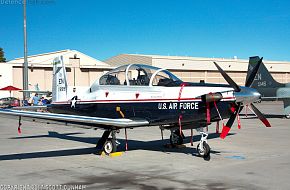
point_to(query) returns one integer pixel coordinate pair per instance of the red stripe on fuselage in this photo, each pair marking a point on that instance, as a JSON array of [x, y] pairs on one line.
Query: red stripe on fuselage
[[138, 100]]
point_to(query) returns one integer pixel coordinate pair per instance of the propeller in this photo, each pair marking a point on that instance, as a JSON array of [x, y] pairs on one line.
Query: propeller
[[228, 78], [239, 106], [229, 124], [260, 116]]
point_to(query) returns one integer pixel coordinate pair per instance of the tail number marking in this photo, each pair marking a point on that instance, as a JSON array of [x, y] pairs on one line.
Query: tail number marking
[[60, 81], [61, 89]]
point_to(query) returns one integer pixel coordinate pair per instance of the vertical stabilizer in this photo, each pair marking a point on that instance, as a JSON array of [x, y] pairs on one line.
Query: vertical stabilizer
[[59, 83], [263, 78]]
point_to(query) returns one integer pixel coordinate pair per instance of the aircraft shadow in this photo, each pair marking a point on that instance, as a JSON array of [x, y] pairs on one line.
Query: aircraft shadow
[[47, 154], [155, 145]]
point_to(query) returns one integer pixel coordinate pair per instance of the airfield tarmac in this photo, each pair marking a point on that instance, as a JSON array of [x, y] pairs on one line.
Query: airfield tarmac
[[254, 157]]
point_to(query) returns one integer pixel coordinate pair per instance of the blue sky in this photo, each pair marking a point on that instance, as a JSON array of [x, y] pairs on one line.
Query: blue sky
[[104, 28]]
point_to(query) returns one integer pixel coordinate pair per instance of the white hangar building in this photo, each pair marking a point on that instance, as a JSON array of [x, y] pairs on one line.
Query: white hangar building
[[83, 70], [194, 69]]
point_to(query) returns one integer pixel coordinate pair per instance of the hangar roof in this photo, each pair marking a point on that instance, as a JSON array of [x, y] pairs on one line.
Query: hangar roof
[[45, 59], [193, 63]]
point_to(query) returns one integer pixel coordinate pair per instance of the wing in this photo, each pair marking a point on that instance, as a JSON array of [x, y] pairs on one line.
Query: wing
[[105, 123]]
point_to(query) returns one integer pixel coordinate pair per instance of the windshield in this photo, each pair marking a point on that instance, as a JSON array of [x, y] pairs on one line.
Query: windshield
[[138, 75], [164, 78]]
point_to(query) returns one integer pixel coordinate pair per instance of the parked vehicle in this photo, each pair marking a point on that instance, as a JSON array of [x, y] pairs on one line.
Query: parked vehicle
[[9, 102]]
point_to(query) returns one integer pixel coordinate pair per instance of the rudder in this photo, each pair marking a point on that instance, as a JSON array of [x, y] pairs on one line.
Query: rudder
[[263, 77], [59, 83]]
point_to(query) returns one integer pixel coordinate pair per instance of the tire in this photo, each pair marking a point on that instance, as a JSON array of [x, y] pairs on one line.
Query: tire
[[288, 116], [206, 150], [110, 146], [175, 138]]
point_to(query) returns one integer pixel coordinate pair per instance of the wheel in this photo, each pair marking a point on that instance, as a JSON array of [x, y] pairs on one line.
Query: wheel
[[176, 138], [288, 116], [110, 146], [206, 150]]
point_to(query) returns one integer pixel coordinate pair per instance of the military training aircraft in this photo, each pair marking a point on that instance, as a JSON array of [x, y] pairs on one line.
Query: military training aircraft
[[139, 95], [268, 87]]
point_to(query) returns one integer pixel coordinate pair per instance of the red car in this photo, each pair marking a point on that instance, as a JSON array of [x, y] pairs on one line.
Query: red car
[[9, 102]]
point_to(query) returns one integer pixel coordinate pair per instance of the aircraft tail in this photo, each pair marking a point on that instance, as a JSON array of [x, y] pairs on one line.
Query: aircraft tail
[[263, 78], [59, 83], [286, 103]]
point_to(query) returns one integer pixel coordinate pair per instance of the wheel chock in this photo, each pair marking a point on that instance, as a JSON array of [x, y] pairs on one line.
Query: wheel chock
[[114, 154]]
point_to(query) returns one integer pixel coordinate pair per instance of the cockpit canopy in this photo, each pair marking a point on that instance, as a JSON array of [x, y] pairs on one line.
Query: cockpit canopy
[[139, 75]]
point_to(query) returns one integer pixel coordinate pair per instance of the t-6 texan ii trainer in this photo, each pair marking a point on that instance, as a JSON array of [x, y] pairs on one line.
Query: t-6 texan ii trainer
[[139, 95]]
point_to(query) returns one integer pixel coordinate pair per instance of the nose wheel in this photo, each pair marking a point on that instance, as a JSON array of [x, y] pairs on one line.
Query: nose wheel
[[203, 149]]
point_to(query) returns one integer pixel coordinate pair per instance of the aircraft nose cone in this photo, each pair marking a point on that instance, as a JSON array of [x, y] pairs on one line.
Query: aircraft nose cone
[[254, 95], [248, 95]]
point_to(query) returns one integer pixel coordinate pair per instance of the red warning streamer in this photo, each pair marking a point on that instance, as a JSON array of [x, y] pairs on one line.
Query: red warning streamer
[[180, 127], [180, 116], [126, 137], [181, 89], [239, 121], [19, 125], [19, 130], [217, 126], [207, 113]]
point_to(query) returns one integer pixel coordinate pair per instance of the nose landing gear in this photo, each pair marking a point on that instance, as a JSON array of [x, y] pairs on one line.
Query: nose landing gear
[[203, 148]]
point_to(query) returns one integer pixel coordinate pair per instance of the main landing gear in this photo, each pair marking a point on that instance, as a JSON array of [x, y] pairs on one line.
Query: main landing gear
[[203, 148], [106, 144], [176, 138]]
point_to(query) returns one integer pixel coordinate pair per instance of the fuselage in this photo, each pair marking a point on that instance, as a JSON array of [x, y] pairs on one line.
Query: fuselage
[[160, 105], [147, 92]]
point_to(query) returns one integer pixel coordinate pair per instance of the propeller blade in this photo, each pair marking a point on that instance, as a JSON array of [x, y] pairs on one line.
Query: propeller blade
[[228, 78], [253, 74], [227, 127], [260, 116]]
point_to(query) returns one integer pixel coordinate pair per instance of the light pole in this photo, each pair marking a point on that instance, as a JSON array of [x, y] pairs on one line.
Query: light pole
[[25, 64]]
